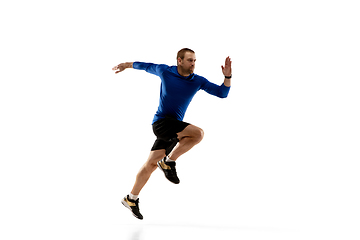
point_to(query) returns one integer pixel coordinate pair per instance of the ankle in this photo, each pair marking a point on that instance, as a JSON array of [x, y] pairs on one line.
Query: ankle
[[133, 197], [169, 160]]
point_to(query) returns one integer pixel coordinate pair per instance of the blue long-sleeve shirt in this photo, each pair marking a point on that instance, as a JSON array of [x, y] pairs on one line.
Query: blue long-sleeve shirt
[[176, 91]]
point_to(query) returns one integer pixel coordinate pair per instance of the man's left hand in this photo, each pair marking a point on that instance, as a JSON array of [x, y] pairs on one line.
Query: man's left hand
[[227, 69]]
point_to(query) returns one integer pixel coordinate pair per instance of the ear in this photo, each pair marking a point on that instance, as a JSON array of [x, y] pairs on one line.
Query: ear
[[179, 60]]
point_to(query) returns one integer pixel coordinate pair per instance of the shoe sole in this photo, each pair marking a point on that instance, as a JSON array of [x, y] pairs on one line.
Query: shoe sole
[[128, 207], [164, 173]]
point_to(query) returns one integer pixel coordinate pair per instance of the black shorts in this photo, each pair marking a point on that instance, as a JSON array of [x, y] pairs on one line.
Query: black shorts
[[166, 130]]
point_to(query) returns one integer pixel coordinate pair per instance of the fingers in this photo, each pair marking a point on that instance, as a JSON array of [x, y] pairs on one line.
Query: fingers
[[228, 62], [116, 68]]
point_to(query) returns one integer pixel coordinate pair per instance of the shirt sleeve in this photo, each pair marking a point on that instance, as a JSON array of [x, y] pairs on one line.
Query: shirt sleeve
[[221, 91], [152, 68]]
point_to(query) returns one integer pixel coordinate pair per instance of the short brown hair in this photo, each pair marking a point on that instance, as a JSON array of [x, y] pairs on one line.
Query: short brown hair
[[181, 53]]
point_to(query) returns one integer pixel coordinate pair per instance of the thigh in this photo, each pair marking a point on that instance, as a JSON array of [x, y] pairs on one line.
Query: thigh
[[165, 145], [190, 131], [167, 128]]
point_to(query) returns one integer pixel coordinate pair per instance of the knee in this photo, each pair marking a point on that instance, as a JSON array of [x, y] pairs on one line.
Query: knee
[[151, 163], [150, 166], [199, 134]]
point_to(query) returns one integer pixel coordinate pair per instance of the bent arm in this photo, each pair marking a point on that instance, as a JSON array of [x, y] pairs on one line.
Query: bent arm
[[221, 91]]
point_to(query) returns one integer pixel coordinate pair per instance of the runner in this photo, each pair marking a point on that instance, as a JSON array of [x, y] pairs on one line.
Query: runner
[[179, 84]]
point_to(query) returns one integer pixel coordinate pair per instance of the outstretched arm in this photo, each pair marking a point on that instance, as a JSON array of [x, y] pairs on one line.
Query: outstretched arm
[[122, 66], [227, 72], [152, 68]]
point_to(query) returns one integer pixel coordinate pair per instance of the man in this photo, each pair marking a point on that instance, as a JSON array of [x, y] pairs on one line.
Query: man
[[179, 84]]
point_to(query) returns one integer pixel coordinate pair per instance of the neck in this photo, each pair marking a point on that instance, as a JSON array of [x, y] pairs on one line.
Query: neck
[[181, 72]]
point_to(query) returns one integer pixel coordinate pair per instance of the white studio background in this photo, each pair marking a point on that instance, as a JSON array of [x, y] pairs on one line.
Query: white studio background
[[281, 152]]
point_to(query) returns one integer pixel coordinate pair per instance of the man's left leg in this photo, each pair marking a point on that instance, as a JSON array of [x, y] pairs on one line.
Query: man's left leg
[[188, 138]]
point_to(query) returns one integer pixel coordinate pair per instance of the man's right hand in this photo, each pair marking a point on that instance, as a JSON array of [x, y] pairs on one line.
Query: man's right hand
[[122, 66]]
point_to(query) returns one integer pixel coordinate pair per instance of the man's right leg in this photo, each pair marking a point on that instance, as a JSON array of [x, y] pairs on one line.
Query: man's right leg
[[131, 201], [147, 169]]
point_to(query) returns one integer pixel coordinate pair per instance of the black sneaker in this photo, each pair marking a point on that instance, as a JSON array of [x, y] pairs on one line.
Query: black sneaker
[[169, 170], [133, 206]]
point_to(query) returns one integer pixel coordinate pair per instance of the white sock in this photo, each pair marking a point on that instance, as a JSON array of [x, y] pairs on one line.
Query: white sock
[[169, 160], [133, 197]]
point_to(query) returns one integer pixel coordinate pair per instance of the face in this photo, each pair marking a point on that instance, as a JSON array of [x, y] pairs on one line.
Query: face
[[187, 64]]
